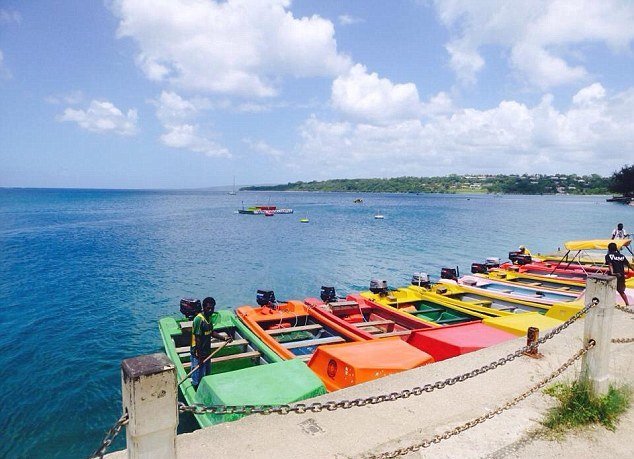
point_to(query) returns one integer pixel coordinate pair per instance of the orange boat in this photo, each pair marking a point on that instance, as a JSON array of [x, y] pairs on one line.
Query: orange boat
[[340, 357]]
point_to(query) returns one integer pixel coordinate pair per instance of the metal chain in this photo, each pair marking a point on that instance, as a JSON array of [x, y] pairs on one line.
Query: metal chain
[[489, 415], [622, 340], [110, 436], [299, 408], [624, 309]]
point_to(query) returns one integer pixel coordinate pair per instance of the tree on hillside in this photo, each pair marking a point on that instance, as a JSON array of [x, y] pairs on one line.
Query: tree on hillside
[[623, 181]]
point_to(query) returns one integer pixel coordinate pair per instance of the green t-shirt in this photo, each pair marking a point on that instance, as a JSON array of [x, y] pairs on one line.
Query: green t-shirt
[[202, 329]]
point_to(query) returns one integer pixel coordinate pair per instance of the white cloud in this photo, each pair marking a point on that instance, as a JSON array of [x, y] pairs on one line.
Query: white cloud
[[71, 98], [240, 47], [10, 17], [541, 35], [261, 146], [592, 135], [175, 115], [346, 19], [186, 136], [367, 97], [102, 116], [170, 108]]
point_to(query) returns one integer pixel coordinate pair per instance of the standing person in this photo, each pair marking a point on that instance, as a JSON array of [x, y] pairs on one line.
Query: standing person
[[619, 232], [617, 263], [202, 332]]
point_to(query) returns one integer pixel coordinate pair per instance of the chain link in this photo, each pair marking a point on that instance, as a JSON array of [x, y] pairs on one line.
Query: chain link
[[199, 408], [624, 309], [489, 415], [110, 436]]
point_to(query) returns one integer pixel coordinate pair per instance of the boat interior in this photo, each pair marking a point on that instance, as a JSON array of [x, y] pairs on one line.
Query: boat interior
[[238, 354], [372, 319]]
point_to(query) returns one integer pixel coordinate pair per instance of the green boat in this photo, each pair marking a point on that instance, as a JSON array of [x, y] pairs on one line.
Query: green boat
[[244, 372]]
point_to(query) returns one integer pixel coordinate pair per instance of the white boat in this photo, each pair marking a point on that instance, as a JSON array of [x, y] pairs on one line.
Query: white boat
[[379, 216], [233, 191]]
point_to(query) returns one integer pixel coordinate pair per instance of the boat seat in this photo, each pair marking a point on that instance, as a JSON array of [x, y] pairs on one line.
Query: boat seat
[[279, 331], [534, 284], [483, 303], [452, 320], [187, 324], [425, 311], [214, 345], [394, 333], [313, 342], [507, 290], [225, 358], [372, 323], [342, 304]]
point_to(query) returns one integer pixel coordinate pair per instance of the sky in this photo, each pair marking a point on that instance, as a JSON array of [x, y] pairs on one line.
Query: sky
[[192, 93]]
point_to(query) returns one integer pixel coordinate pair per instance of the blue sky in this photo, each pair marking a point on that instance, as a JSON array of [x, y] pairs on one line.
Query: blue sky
[[189, 93]]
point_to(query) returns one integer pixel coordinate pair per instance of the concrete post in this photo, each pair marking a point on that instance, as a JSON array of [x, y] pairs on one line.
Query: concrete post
[[598, 326], [151, 401]]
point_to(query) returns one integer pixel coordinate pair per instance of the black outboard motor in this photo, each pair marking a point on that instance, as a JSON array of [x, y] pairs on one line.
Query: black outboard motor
[[378, 286], [190, 307], [449, 273], [266, 298], [479, 268], [518, 258], [328, 294], [492, 262], [421, 279]]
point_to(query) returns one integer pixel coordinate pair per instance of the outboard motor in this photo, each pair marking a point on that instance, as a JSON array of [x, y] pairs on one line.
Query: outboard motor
[[421, 279], [518, 258], [378, 286], [190, 307], [449, 273], [479, 268], [492, 262], [266, 298], [328, 294]]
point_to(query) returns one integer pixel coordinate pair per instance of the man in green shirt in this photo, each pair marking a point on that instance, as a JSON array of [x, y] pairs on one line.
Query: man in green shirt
[[202, 332]]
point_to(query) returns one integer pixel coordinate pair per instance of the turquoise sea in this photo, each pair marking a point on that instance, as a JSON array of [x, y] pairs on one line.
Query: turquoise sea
[[86, 274]]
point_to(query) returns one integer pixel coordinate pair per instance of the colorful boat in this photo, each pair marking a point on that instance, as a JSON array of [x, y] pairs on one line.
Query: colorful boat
[[534, 281], [428, 309], [374, 321], [367, 319], [509, 290], [264, 378], [339, 356], [577, 262], [264, 210]]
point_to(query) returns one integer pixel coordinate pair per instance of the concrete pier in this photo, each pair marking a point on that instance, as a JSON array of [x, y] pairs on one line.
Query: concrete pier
[[383, 427]]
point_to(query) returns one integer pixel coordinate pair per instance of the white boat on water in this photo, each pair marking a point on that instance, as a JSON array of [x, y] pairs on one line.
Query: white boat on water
[[379, 216]]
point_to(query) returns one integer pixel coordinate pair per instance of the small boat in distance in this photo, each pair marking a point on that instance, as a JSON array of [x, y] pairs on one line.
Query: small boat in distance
[[379, 216], [263, 210], [233, 190], [304, 220], [358, 201]]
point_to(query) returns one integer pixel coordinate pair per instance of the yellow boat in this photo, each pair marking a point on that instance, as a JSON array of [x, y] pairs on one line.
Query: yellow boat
[[585, 252], [514, 316]]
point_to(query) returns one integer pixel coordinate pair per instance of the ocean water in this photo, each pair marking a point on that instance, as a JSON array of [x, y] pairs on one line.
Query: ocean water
[[86, 274]]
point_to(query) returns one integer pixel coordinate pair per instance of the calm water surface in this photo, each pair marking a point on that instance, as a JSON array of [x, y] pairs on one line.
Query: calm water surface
[[85, 275]]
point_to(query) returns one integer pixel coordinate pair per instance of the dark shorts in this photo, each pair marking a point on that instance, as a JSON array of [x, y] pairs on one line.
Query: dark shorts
[[620, 284]]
